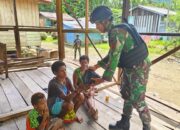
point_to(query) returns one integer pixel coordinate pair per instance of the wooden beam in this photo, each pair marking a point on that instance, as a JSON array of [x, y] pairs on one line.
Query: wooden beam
[[16, 31], [59, 29], [166, 55], [86, 27], [15, 114], [38, 29], [80, 31], [161, 34], [106, 86]]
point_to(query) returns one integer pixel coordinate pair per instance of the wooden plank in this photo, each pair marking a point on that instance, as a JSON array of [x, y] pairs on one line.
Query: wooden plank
[[21, 123], [168, 104], [21, 87], [47, 72], [151, 23], [157, 120], [15, 113], [8, 125], [111, 116], [28, 12], [164, 110], [13, 96], [117, 105], [6, 18], [146, 24], [5, 107], [37, 79], [41, 75], [31, 84]]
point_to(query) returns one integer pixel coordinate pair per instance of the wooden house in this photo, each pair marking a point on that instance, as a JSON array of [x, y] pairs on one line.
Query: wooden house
[[27, 14], [149, 19]]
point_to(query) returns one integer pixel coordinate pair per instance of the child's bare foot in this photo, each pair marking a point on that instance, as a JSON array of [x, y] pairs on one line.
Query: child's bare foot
[[61, 129], [79, 119], [93, 113]]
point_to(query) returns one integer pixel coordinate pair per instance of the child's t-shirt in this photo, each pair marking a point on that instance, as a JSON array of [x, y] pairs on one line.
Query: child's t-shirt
[[54, 89], [85, 78], [33, 120]]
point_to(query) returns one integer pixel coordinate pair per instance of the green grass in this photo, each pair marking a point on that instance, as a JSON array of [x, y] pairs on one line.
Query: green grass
[[104, 46], [49, 39]]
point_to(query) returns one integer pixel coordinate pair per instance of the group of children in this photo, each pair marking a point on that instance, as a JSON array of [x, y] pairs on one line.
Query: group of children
[[63, 99]]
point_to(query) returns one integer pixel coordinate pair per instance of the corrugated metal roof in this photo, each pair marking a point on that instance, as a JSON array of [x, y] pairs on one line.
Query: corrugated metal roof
[[68, 20], [45, 1], [161, 11], [74, 24], [52, 16]]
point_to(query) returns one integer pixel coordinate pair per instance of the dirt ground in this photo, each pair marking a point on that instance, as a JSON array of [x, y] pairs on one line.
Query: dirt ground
[[164, 78]]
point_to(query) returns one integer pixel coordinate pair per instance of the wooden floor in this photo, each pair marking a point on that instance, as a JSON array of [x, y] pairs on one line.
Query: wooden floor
[[16, 92]]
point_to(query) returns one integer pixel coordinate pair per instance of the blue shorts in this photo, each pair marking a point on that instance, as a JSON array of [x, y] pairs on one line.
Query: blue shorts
[[56, 108]]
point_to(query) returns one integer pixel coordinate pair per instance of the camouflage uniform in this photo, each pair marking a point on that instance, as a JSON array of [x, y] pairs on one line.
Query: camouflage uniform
[[77, 46], [134, 79]]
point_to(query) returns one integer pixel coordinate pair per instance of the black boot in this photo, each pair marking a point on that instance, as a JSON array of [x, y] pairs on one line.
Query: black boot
[[146, 127], [123, 124]]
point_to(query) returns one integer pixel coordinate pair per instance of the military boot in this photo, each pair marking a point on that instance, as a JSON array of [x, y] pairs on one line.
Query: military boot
[[123, 124], [146, 127]]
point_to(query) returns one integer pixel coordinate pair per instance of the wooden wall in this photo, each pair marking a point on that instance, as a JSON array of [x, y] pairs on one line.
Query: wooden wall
[[27, 12], [27, 39], [146, 21], [28, 15]]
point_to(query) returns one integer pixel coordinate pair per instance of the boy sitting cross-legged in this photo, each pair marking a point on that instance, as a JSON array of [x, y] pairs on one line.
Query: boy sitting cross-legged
[[63, 100]]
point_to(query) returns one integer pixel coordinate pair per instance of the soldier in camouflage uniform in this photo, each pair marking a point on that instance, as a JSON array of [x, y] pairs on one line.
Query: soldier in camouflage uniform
[[134, 81], [77, 46]]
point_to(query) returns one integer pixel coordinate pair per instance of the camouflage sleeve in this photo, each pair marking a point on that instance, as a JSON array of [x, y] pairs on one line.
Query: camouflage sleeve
[[117, 40]]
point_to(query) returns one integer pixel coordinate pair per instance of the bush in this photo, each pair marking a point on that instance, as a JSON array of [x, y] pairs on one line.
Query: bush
[[43, 35], [54, 35]]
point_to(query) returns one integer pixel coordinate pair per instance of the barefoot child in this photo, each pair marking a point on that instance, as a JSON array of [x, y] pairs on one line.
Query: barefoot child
[[63, 100], [38, 118], [81, 81]]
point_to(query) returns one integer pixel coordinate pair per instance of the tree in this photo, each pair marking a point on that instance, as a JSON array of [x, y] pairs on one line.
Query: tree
[[48, 7], [176, 18]]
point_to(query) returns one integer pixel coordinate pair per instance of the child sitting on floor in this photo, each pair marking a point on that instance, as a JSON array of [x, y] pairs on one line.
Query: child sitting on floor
[[63, 100], [82, 79], [38, 118]]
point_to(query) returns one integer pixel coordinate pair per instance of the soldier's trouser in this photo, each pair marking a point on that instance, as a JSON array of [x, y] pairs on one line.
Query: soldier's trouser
[[133, 91], [75, 50]]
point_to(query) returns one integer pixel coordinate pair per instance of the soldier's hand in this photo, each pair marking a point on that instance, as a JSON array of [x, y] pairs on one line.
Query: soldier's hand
[[97, 81], [94, 68]]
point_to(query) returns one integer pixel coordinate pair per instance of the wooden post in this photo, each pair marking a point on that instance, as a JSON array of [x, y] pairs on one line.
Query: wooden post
[[125, 14], [125, 11], [16, 31], [59, 15], [86, 27]]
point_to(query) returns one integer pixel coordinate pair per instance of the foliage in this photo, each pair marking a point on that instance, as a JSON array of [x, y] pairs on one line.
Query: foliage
[[176, 18], [47, 7], [43, 35]]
